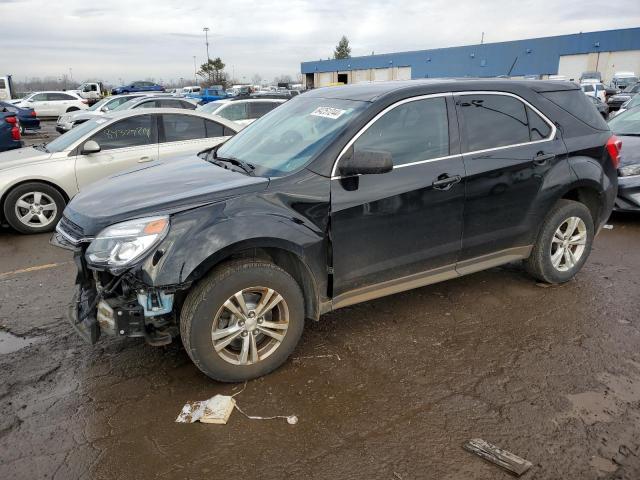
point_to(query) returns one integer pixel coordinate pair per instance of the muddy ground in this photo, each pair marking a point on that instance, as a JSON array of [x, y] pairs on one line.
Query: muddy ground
[[389, 389]]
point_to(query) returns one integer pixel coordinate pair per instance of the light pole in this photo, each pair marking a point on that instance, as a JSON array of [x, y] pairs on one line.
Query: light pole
[[195, 71], [206, 40]]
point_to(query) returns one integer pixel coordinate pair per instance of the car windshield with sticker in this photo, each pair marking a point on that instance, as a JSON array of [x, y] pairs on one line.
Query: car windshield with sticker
[[289, 137]]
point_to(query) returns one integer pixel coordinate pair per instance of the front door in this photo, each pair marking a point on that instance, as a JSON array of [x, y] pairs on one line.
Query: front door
[[509, 148], [408, 221], [123, 144]]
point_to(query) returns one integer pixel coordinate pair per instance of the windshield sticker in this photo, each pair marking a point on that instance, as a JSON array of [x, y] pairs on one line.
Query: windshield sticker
[[115, 133], [328, 112]]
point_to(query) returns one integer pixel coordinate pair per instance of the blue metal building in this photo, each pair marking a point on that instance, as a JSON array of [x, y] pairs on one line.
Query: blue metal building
[[560, 55]]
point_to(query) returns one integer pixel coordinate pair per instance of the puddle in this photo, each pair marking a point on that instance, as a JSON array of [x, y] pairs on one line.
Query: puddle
[[10, 343]]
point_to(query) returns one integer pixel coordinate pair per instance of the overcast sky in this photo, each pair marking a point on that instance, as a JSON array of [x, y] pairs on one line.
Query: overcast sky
[[138, 39]]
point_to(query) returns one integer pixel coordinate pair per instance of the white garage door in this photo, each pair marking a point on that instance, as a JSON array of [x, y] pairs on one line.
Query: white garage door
[[572, 66], [404, 73], [324, 79], [360, 76], [382, 74]]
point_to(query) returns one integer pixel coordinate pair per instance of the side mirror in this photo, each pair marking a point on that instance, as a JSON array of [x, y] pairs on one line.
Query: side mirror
[[90, 146], [366, 162], [104, 109]]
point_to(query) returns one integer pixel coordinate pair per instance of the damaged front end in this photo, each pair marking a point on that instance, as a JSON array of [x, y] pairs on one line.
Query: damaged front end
[[109, 298]]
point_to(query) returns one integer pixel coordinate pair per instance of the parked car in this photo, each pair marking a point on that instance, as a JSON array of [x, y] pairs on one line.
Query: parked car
[[37, 182], [594, 89], [626, 126], [623, 80], [53, 104], [591, 76], [207, 95], [339, 196], [27, 117], [282, 94], [157, 101], [616, 101], [602, 107], [92, 91], [138, 87], [192, 89], [629, 104], [9, 132], [244, 111], [69, 120]]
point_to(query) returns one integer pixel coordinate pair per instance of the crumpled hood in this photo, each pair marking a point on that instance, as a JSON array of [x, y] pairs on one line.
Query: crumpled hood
[[165, 186], [21, 157]]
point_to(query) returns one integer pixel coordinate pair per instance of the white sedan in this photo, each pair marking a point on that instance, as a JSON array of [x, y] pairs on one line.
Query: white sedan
[[53, 104], [243, 112], [37, 182]]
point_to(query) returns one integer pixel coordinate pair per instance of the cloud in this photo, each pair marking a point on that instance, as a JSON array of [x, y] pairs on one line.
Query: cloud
[[159, 38]]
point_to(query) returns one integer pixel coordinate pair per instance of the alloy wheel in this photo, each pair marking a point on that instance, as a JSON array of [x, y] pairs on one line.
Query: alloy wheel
[[250, 325], [36, 209], [568, 244]]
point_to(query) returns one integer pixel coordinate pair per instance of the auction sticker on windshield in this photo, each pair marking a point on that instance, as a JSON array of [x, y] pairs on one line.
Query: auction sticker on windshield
[[328, 112]]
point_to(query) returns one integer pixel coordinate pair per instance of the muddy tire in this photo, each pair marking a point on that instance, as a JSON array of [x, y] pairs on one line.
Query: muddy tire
[[563, 243], [33, 207], [242, 321]]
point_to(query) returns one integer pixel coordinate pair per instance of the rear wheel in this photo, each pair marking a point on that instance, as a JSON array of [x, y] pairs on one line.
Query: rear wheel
[[33, 207], [563, 244], [243, 321]]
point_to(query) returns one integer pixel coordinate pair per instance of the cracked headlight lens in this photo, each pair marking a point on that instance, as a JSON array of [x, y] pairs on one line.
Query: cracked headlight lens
[[629, 170], [121, 244]]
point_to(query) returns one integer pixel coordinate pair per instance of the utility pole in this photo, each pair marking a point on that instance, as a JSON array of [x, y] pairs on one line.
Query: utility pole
[[206, 40], [482, 39], [195, 71]]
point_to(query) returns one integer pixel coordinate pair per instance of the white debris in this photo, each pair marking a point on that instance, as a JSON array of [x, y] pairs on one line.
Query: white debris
[[608, 226]]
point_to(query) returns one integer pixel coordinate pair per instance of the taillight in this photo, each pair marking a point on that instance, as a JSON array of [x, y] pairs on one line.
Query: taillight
[[614, 146], [85, 101], [15, 129], [33, 113]]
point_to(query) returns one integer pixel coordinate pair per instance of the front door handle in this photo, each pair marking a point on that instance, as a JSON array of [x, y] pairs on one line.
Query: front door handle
[[445, 182], [542, 158], [145, 159]]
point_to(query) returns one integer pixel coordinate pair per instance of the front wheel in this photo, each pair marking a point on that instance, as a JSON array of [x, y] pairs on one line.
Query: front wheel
[[33, 207], [243, 321], [563, 244]]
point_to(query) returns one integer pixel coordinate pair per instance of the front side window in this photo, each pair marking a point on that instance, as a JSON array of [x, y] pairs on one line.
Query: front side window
[[129, 132], [59, 97], [149, 104], [214, 129], [38, 97], [411, 132], [492, 121], [183, 127]]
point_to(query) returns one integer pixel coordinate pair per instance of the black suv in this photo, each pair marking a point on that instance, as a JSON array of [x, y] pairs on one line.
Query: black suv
[[336, 197]]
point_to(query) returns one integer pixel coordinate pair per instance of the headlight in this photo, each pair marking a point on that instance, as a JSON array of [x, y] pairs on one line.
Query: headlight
[[123, 243], [629, 170]]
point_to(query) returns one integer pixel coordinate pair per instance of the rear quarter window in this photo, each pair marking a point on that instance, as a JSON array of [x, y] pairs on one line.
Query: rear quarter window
[[576, 103]]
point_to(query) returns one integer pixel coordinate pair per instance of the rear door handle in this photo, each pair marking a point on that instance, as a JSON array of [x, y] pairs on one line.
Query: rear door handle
[[445, 182], [542, 158], [144, 159]]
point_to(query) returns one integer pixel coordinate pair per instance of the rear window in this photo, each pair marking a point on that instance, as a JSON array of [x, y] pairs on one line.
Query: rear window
[[575, 102]]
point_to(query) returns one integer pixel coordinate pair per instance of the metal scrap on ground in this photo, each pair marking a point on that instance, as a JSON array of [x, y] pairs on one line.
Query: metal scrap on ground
[[502, 458]]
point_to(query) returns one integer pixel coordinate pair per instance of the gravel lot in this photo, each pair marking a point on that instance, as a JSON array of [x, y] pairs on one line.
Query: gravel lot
[[388, 389]]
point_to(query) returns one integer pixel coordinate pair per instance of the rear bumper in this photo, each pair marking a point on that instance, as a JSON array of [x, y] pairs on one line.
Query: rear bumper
[[628, 199]]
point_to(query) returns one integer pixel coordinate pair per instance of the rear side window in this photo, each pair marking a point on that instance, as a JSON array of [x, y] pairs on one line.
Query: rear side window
[[411, 132], [492, 121], [214, 129], [149, 104], [130, 132], [258, 109], [183, 127], [234, 111], [576, 103], [59, 96], [187, 105]]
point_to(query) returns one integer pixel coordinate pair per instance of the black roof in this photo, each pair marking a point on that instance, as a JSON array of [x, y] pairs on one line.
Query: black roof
[[373, 91]]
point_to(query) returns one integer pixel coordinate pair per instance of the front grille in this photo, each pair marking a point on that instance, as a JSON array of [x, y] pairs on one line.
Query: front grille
[[71, 231]]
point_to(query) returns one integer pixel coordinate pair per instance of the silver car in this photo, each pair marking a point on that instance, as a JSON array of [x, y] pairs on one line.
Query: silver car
[[118, 103], [244, 111], [37, 182]]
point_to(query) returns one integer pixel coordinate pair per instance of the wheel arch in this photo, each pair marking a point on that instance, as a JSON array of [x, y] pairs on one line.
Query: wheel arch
[[60, 190], [282, 253]]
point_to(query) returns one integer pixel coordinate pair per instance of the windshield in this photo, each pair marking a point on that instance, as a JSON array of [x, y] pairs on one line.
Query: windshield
[[63, 142], [125, 106], [634, 102], [97, 106], [288, 137], [627, 123], [632, 85]]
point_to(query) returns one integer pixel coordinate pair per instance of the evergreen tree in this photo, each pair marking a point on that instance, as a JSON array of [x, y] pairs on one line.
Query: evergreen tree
[[343, 50]]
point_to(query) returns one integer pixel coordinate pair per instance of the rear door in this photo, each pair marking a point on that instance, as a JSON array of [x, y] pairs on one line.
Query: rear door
[[188, 134], [59, 102], [509, 148], [41, 105], [124, 144], [408, 221]]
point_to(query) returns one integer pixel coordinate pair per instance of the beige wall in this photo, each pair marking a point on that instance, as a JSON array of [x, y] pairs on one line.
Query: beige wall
[[368, 75], [572, 66]]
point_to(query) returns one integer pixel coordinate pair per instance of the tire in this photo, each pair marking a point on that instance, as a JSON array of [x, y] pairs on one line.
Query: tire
[[204, 309], [550, 243], [72, 109], [27, 194]]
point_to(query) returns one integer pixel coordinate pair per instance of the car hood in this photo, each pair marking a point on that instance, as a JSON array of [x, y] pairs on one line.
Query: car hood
[[166, 186], [21, 157], [630, 150], [80, 115]]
